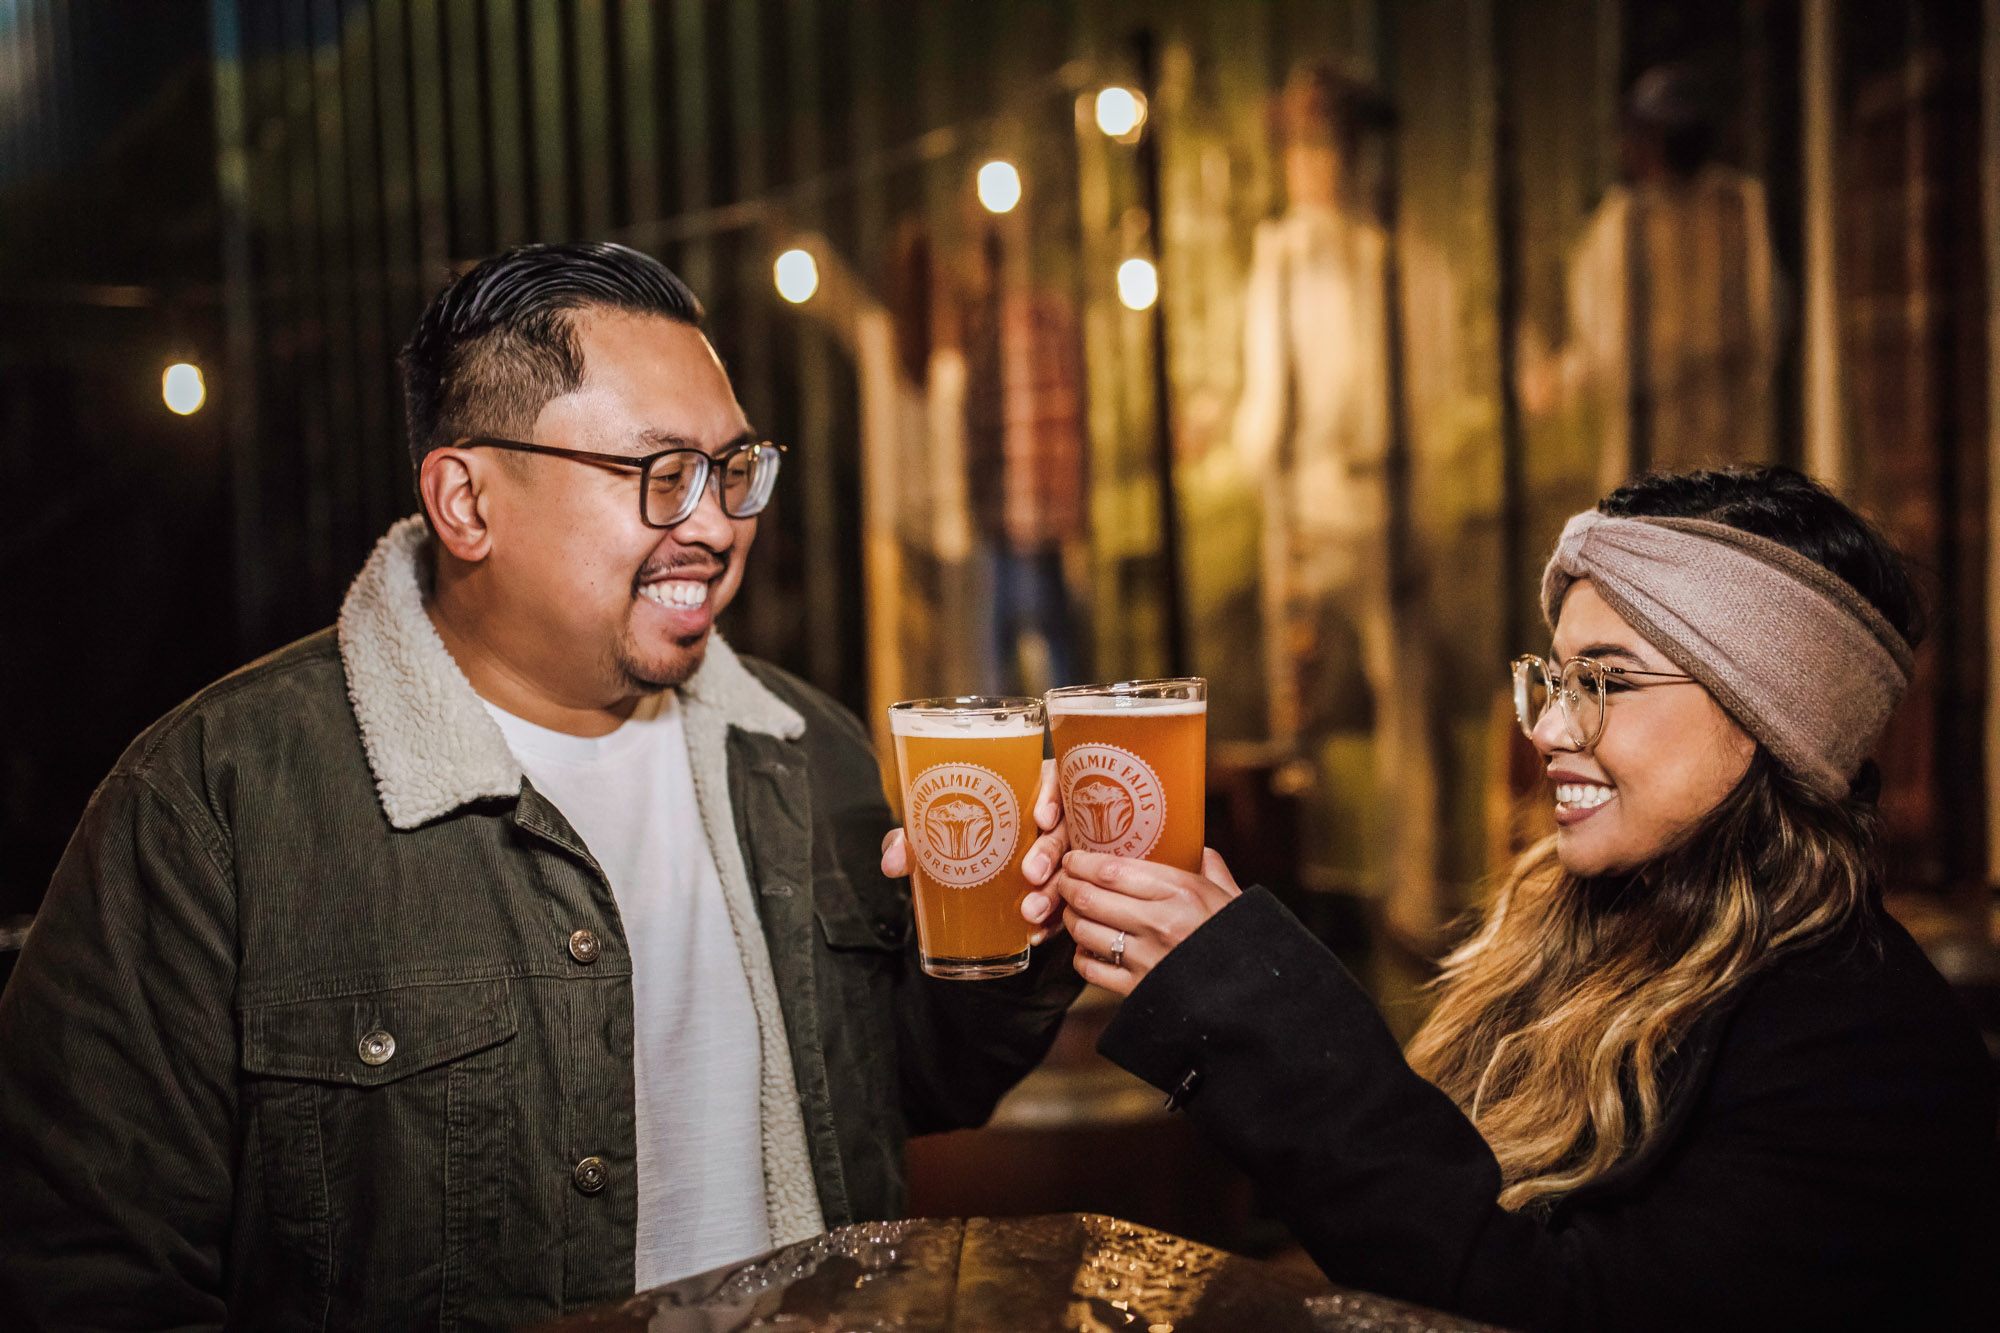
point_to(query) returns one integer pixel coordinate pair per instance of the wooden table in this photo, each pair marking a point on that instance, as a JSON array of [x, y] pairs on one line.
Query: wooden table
[[1069, 1273]]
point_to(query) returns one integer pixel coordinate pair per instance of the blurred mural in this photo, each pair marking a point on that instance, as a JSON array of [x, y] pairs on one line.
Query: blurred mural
[[1266, 340]]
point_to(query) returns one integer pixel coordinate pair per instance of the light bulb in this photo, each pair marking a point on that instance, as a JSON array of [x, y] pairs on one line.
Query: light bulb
[[999, 187], [797, 276], [182, 388], [1120, 111], [1138, 284]]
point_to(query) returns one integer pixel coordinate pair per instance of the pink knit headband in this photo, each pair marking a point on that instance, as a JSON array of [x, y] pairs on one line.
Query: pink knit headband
[[1805, 663]]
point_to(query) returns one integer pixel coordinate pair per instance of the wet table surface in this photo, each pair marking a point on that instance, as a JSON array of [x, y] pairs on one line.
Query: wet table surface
[[1077, 1273]]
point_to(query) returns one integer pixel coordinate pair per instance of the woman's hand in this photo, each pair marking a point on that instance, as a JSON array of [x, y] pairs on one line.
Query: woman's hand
[[1150, 908], [1040, 908]]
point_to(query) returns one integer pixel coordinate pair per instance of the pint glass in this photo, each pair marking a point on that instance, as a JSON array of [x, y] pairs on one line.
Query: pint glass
[[970, 768], [1130, 762]]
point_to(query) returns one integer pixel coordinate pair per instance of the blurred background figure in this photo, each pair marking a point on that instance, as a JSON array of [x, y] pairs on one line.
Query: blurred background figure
[[1673, 316], [1313, 421], [1026, 460], [1313, 425]]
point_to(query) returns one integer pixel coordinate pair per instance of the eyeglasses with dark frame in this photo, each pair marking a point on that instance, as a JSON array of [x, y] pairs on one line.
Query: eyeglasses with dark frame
[[672, 481], [1579, 689]]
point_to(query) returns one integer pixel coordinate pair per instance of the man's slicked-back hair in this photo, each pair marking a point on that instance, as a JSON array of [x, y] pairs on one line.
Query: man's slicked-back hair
[[498, 343]]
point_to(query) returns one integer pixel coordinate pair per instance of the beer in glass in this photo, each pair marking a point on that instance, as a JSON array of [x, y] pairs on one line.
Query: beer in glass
[[970, 768], [1131, 765]]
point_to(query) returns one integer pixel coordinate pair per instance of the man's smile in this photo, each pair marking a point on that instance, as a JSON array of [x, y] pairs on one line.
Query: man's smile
[[681, 590], [676, 592]]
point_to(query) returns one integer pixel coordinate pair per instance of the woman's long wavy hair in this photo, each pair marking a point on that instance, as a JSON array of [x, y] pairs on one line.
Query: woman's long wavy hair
[[1557, 1019]]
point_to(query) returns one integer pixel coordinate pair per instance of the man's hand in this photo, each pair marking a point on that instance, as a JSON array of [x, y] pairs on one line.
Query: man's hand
[[1152, 907], [1040, 908]]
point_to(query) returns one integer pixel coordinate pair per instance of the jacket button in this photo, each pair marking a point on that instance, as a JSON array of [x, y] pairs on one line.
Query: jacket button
[[583, 947], [590, 1175], [376, 1048], [888, 931]]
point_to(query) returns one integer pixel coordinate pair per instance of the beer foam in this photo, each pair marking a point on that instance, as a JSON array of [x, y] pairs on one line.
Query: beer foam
[[1127, 703], [947, 726]]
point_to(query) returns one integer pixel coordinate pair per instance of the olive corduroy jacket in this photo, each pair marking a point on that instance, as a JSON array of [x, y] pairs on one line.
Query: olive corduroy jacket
[[303, 1037]]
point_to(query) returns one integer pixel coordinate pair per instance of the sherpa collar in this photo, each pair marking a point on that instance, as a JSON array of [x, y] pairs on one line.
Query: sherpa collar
[[430, 743]]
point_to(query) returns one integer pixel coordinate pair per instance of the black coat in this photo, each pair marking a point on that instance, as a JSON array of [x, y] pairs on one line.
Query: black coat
[[1826, 1161]]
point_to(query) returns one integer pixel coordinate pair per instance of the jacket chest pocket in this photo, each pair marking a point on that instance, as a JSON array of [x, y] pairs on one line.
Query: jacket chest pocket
[[850, 924], [864, 940], [378, 1124]]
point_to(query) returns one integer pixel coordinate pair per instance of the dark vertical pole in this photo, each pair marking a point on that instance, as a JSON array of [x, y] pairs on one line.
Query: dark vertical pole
[[1989, 618], [869, 81], [505, 99], [882, 587], [696, 258], [14, 148], [1397, 463], [336, 261], [751, 275], [589, 96], [1507, 300], [768, 617], [1146, 60], [1638, 340], [472, 222], [239, 311], [823, 583], [404, 292], [433, 150], [1949, 265], [303, 310], [380, 462], [1779, 162], [548, 104], [641, 112], [1755, 117]]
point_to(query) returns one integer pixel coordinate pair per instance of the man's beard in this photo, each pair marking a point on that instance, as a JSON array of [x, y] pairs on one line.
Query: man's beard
[[652, 677]]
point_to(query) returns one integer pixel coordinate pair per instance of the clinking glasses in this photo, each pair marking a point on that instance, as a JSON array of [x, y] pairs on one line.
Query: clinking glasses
[[672, 482], [1579, 687]]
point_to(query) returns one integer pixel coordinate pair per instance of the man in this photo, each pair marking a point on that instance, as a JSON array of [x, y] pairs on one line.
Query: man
[[515, 943]]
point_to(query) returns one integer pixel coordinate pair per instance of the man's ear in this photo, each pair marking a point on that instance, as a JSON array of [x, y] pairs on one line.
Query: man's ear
[[452, 483]]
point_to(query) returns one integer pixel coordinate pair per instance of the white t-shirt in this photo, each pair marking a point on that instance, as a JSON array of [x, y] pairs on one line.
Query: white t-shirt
[[630, 796]]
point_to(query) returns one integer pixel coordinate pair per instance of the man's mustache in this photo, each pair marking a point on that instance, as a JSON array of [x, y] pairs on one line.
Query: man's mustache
[[693, 556]]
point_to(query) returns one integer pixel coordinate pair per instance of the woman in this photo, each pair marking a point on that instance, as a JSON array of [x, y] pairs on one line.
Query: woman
[[1687, 1073]]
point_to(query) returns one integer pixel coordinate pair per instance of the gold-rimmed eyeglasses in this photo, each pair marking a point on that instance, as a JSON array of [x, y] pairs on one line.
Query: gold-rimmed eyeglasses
[[672, 481], [1578, 687]]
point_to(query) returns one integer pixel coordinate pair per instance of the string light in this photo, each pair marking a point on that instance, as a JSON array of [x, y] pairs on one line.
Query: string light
[[1120, 112], [1138, 284], [797, 276], [182, 388], [999, 187]]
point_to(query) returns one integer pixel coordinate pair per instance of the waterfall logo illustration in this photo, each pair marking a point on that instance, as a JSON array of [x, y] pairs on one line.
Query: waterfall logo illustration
[[964, 822], [959, 828], [1102, 810], [1113, 800]]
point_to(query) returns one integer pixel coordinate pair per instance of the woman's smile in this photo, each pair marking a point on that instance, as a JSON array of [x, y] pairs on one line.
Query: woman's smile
[[1578, 798]]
